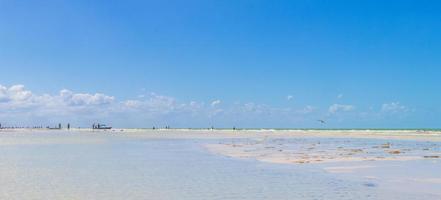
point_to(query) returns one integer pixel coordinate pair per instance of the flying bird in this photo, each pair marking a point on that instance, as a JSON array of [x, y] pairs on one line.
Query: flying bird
[[321, 121]]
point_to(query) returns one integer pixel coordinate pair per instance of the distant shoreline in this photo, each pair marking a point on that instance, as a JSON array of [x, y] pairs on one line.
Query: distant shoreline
[[245, 129]]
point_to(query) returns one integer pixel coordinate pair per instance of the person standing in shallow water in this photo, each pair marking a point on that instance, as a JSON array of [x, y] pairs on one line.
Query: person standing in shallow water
[[68, 126]]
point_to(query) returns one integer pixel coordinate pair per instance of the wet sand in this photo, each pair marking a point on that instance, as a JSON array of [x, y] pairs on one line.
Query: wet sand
[[327, 149]]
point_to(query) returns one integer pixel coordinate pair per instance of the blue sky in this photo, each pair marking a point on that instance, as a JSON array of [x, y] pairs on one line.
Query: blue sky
[[194, 63]]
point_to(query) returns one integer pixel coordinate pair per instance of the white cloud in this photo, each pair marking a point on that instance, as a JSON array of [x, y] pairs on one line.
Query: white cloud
[[289, 97], [216, 103], [14, 93], [19, 100], [335, 108], [393, 107], [157, 104], [20, 103], [18, 93], [81, 99], [132, 104], [308, 109]]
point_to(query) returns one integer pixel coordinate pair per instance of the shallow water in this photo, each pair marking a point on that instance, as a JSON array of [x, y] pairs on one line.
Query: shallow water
[[60, 165]]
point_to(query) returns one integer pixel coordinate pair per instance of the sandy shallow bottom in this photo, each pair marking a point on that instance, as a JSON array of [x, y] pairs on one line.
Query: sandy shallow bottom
[[182, 164]]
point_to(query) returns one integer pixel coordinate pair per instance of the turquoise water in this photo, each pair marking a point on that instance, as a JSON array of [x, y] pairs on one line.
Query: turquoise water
[[110, 166]]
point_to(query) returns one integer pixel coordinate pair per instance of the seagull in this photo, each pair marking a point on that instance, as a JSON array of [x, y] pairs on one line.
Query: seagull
[[321, 121]]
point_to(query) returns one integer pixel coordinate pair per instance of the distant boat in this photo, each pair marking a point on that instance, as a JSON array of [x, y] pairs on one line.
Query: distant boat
[[101, 127], [55, 128]]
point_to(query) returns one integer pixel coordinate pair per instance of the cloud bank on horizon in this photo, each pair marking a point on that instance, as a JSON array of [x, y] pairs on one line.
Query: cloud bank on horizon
[[20, 106]]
